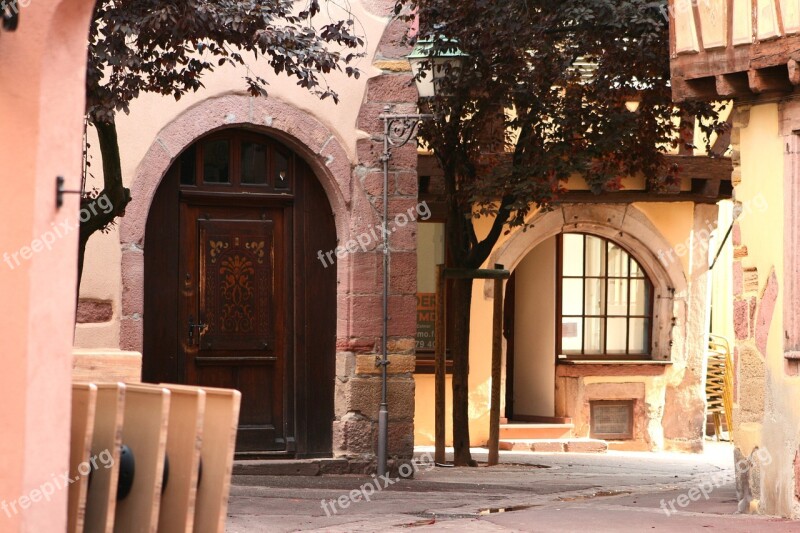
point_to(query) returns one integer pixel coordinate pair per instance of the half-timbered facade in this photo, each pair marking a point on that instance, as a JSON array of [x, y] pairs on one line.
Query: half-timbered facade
[[748, 51]]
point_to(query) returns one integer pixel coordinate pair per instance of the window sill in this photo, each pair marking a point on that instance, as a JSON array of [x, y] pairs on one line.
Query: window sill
[[615, 362]]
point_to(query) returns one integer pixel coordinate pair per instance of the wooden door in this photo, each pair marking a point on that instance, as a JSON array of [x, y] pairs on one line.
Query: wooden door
[[232, 312], [231, 250]]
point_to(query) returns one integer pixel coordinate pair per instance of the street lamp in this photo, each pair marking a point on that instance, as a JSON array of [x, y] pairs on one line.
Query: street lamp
[[398, 130]]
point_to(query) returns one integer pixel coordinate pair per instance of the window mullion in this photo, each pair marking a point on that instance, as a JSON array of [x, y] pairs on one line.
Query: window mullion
[[583, 299], [628, 317]]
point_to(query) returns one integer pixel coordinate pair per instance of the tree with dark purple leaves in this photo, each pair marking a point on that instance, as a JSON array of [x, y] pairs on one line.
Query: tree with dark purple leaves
[[540, 96], [167, 47]]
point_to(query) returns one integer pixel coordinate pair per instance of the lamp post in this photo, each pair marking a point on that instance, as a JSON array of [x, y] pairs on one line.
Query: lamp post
[[428, 67], [398, 130]]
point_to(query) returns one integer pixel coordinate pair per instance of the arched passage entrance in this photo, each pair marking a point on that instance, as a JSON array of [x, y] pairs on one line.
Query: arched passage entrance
[[234, 294], [660, 392]]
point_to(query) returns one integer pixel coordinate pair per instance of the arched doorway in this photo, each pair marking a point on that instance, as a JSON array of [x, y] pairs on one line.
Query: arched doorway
[[578, 298], [234, 294]]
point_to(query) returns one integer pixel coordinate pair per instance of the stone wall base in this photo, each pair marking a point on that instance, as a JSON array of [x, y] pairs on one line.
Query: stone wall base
[[325, 467]]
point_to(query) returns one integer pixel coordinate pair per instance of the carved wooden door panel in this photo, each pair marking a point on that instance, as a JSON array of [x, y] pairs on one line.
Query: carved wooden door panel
[[233, 313]]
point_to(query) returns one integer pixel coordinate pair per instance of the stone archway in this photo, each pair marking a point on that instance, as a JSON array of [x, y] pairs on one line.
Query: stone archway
[[301, 132], [672, 403]]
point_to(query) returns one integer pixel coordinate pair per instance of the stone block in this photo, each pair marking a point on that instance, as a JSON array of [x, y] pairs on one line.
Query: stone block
[[741, 319], [345, 364], [547, 446], [796, 466], [366, 273], [354, 436], [357, 344], [393, 65], [393, 44], [738, 279], [736, 234], [131, 334], [750, 280], [401, 439], [392, 88], [403, 269], [363, 395], [586, 446], [132, 282], [94, 311], [406, 183], [765, 311], [404, 345], [751, 380], [333, 467], [372, 183], [399, 364]]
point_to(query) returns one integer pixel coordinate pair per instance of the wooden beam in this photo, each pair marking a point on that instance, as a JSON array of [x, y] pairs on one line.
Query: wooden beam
[[694, 89], [440, 340], [630, 197], [770, 79], [497, 354], [702, 167], [475, 273], [734, 85], [794, 72]]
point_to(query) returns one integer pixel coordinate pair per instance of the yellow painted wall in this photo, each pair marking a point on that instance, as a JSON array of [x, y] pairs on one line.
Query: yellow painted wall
[[674, 220], [762, 226], [534, 347]]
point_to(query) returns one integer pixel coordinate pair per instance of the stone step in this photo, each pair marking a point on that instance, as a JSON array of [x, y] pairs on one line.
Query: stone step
[[535, 431], [554, 445]]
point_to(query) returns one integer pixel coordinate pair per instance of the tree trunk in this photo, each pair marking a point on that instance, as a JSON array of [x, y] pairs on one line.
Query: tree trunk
[[98, 213], [462, 300]]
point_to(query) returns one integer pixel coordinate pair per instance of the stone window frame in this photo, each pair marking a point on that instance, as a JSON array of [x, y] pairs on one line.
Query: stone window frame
[[631, 228]]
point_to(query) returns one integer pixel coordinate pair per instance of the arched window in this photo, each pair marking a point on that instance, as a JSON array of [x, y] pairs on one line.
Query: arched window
[[605, 301]]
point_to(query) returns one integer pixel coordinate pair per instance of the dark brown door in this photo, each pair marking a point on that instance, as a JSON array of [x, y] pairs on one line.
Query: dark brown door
[[234, 293], [231, 309]]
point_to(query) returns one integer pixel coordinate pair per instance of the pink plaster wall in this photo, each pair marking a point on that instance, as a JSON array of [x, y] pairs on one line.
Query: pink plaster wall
[[42, 69]]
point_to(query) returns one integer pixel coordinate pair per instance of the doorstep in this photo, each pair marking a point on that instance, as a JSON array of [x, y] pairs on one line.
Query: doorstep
[[309, 467], [555, 445]]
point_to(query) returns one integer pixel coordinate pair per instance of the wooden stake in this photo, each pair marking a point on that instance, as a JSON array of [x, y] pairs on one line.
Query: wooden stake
[[497, 348], [440, 342]]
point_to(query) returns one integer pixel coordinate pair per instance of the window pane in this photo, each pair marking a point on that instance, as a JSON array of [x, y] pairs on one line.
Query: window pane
[[573, 254], [636, 270], [639, 336], [595, 256], [640, 297], [593, 335], [617, 335], [617, 297], [254, 163], [188, 165], [571, 334], [216, 162], [280, 170], [572, 297], [595, 296], [617, 261]]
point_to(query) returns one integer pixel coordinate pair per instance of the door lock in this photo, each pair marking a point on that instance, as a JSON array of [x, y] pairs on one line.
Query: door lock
[[201, 329]]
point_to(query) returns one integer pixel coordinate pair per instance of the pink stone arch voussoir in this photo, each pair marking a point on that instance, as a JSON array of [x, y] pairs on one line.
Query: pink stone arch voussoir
[[297, 129]]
